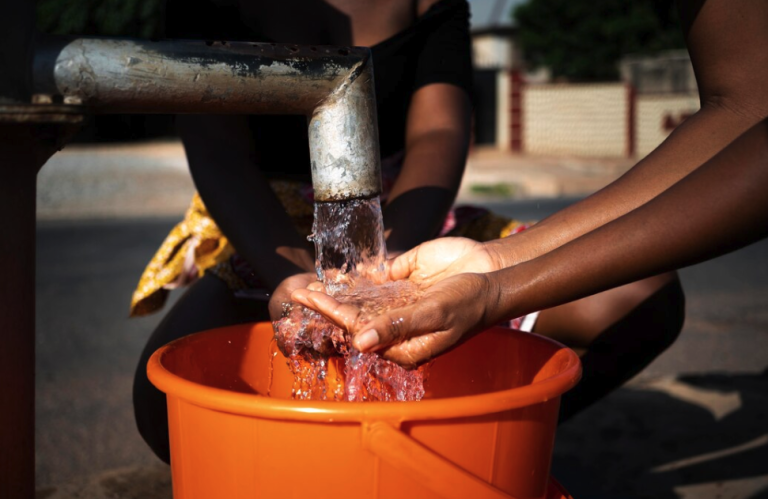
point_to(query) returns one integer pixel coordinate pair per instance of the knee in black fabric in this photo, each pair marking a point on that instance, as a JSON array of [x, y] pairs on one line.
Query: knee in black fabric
[[657, 323], [150, 411], [627, 347]]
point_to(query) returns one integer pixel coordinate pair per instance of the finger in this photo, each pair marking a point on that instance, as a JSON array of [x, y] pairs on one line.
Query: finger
[[398, 325], [341, 314], [275, 310], [403, 266], [316, 286], [417, 350]]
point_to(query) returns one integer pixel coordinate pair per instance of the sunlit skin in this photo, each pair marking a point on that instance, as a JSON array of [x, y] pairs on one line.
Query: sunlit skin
[[698, 195]]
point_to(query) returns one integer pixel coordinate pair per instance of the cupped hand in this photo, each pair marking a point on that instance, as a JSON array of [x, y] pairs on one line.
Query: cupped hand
[[441, 258], [449, 311], [283, 292]]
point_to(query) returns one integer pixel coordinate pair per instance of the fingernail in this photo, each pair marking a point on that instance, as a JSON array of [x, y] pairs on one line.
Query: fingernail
[[367, 340]]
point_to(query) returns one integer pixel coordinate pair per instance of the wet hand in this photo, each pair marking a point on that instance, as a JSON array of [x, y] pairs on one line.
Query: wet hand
[[283, 292], [441, 258], [449, 311]]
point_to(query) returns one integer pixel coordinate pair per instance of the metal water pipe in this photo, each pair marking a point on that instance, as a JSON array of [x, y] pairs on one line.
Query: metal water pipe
[[332, 86]]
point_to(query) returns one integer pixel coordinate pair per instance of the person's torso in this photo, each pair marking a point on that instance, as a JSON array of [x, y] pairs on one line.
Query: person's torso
[[392, 29]]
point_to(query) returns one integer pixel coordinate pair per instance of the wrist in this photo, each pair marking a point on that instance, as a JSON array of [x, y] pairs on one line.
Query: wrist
[[500, 254], [491, 298], [515, 249]]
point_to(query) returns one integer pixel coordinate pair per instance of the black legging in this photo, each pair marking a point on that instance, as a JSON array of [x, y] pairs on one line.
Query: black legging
[[627, 347]]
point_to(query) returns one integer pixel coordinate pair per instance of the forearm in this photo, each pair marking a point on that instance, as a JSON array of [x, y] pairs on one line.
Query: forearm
[[425, 190], [239, 198], [718, 208], [724, 39], [436, 145], [697, 140]]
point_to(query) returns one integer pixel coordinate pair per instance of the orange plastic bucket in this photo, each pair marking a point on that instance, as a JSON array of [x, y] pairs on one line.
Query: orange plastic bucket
[[485, 428]]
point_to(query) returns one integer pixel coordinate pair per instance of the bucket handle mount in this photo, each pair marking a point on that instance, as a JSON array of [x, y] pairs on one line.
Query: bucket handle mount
[[425, 466]]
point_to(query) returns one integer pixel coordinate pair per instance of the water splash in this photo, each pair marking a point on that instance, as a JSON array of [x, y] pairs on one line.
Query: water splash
[[350, 258]]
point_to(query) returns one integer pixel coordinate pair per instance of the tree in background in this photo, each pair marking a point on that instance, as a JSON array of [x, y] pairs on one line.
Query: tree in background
[[137, 18], [582, 40], [134, 18]]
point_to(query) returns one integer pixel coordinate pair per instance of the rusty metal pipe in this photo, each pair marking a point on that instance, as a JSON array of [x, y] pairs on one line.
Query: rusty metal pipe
[[332, 86]]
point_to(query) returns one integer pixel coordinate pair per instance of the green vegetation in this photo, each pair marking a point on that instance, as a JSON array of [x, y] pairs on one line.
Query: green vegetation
[[137, 18], [583, 40], [497, 190]]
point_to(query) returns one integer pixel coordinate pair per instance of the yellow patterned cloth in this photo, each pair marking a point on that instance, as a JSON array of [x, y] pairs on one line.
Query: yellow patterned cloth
[[192, 246], [487, 227], [196, 244]]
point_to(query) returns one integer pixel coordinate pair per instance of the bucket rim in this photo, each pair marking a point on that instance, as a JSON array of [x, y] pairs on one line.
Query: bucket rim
[[256, 405]]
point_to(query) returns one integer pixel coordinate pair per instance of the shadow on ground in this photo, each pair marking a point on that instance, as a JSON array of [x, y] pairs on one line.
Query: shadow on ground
[[129, 483], [696, 436]]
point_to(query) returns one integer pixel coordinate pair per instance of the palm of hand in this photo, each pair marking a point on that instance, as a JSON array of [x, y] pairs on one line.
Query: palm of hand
[[439, 259]]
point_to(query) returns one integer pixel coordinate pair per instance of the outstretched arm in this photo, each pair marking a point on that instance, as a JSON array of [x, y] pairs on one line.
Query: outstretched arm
[[726, 40], [718, 208]]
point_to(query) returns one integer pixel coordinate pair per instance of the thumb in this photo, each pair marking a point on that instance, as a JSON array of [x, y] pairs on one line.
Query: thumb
[[403, 265]]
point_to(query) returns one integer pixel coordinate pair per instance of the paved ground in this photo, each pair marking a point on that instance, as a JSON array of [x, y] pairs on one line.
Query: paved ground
[[536, 177], [150, 179], [693, 425]]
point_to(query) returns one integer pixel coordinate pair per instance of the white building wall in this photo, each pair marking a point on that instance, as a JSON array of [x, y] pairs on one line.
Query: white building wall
[[503, 110], [589, 120], [654, 111], [492, 51]]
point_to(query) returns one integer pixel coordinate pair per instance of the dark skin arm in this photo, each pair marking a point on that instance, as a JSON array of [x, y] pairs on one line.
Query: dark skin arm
[[720, 207], [437, 140], [436, 145], [676, 207], [726, 40]]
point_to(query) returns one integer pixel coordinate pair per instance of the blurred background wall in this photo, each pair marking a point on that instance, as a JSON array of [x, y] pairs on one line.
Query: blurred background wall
[[552, 77]]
